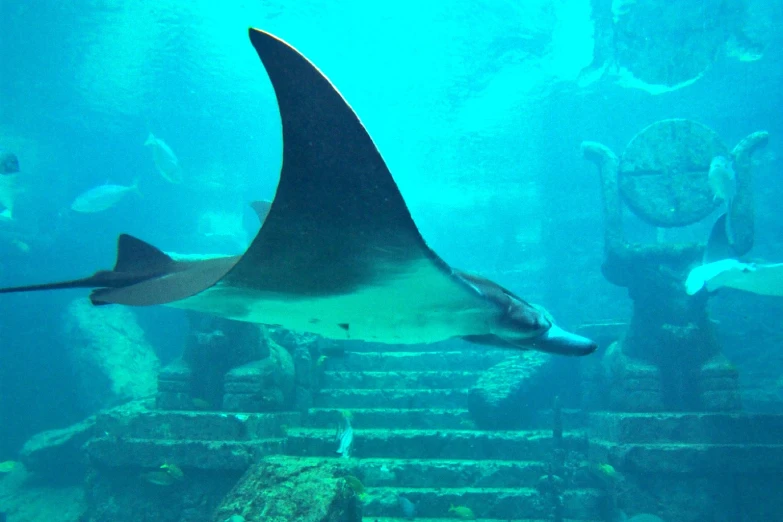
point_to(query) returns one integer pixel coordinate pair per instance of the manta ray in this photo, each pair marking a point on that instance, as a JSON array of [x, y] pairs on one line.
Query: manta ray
[[338, 253], [721, 268]]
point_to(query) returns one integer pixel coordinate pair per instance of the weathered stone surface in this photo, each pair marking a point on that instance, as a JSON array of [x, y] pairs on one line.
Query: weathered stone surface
[[175, 387], [686, 428], [58, 453], [719, 382], [674, 43], [633, 385], [400, 379], [486, 503], [435, 444], [214, 347], [205, 455], [663, 172], [111, 357], [291, 340], [140, 423], [424, 473], [134, 436], [474, 359], [702, 459], [123, 495], [396, 418], [280, 489], [505, 395], [303, 367], [264, 385], [303, 400], [413, 398]]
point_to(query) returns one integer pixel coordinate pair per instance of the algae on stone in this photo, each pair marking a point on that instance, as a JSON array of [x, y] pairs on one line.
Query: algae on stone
[[282, 489]]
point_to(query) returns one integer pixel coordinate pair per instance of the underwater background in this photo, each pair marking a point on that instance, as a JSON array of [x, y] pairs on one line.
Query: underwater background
[[478, 108]]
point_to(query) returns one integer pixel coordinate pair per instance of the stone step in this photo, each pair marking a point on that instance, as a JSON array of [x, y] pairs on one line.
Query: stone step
[[195, 425], [463, 360], [685, 428], [426, 418], [393, 418], [448, 473], [400, 379], [419, 519], [450, 345], [198, 454], [701, 459], [434, 444], [498, 503], [412, 398], [361, 346]]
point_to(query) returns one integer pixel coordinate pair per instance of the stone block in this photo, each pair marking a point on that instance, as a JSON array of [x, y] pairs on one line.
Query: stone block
[[58, 454], [283, 489]]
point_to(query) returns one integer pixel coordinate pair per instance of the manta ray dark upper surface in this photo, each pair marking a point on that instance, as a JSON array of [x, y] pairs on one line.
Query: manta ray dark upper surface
[[346, 222], [338, 254]]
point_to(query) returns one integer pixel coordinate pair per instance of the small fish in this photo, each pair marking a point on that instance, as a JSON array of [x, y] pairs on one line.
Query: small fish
[[159, 478], [407, 507], [9, 163], [7, 466], [462, 512], [608, 470], [200, 404], [173, 470], [21, 245], [722, 180], [345, 437], [167, 475], [355, 484], [102, 197], [165, 159], [9, 167]]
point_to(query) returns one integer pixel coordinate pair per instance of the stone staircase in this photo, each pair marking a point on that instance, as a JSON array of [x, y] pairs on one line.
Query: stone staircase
[[718, 466], [414, 437], [192, 439]]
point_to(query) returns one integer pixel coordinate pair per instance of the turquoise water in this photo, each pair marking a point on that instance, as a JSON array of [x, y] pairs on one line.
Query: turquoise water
[[478, 108]]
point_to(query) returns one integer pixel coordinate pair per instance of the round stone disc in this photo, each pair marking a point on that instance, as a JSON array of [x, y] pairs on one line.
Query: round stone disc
[[673, 42], [663, 174]]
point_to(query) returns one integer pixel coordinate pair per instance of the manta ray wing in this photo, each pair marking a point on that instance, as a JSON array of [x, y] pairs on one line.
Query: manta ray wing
[[335, 198], [761, 279], [339, 253]]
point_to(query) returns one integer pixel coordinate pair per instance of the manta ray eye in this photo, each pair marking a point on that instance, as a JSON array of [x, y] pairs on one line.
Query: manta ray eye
[[522, 321]]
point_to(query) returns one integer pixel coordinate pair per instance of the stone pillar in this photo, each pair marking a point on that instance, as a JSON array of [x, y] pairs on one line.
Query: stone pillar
[[213, 347], [669, 358]]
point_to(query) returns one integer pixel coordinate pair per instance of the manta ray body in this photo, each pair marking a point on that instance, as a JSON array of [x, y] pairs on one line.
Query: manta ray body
[[338, 253]]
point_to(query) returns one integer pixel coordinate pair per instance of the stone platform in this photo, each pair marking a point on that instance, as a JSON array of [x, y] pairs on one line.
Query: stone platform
[[722, 467]]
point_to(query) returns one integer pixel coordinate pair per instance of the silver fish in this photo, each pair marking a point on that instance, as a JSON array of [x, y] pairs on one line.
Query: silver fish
[[9, 168], [345, 438], [102, 197], [722, 179], [408, 508], [165, 159]]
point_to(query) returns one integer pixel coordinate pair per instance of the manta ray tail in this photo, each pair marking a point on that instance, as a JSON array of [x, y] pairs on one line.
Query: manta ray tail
[[136, 261]]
